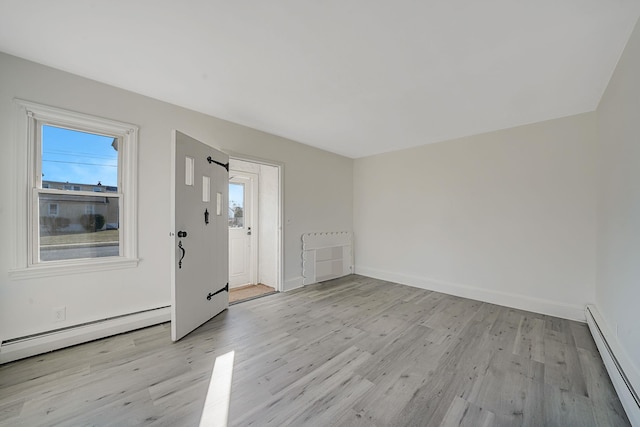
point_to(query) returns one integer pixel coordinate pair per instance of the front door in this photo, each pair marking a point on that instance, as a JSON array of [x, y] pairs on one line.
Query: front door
[[199, 288], [242, 229]]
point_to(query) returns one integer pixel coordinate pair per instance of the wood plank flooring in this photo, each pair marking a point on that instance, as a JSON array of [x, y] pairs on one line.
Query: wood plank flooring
[[350, 352]]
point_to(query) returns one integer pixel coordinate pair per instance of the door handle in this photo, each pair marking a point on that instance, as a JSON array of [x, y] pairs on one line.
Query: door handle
[[183, 253], [181, 234]]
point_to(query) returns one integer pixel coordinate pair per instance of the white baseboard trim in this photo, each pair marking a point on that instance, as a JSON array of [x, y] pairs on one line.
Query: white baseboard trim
[[295, 283], [46, 342], [624, 375], [522, 302]]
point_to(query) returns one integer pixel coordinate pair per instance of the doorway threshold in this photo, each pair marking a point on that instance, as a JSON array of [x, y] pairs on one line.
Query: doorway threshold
[[249, 292]]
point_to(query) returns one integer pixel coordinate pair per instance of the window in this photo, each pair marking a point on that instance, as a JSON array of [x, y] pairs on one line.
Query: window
[[72, 227], [236, 205]]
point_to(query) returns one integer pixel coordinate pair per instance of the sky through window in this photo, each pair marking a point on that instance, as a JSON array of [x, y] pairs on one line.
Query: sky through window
[[78, 157]]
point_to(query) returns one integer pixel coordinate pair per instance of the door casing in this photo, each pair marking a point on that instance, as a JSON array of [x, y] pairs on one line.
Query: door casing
[[279, 167]]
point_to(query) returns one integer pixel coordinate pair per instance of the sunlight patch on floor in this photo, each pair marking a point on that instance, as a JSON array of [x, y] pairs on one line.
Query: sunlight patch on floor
[[216, 406]]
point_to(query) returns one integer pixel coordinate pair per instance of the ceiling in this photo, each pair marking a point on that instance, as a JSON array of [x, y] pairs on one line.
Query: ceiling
[[355, 77]]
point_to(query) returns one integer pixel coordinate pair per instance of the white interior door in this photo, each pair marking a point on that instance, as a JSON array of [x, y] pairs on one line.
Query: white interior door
[[199, 235], [242, 229]]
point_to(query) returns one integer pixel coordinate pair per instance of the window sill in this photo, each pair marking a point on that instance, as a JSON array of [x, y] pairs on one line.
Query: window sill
[[73, 267]]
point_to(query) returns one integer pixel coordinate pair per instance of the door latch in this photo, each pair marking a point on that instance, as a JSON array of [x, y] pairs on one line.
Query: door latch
[[248, 231], [182, 234], [206, 216]]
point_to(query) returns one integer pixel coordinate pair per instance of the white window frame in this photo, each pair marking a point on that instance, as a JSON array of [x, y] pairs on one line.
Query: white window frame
[[30, 118], [57, 209]]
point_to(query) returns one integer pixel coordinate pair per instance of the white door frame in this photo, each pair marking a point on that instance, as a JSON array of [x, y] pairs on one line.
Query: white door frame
[[280, 239]]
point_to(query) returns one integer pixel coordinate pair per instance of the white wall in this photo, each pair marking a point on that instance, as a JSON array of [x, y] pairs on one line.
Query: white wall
[[25, 305], [506, 217], [618, 275]]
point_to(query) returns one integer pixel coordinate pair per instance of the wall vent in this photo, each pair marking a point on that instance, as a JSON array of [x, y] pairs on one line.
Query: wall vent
[[624, 376], [31, 345]]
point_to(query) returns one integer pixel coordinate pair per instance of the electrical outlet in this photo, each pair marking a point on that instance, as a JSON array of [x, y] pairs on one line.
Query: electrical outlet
[[59, 314]]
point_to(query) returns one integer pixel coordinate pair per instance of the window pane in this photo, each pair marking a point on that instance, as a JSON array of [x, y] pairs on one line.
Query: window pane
[[78, 161], [75, 226], [236, 205]]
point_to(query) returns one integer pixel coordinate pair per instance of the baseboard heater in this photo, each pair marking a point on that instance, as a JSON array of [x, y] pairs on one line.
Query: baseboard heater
[[31, 345], [326, 256], [623, 374]]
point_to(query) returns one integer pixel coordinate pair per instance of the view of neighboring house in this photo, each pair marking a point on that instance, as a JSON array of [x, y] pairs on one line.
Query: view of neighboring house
[[77, 213]]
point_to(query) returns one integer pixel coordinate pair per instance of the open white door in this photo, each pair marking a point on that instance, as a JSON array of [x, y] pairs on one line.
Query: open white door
[[199, 288]]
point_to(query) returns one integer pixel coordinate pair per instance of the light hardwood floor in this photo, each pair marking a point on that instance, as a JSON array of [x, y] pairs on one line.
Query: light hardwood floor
[[350, 352]]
